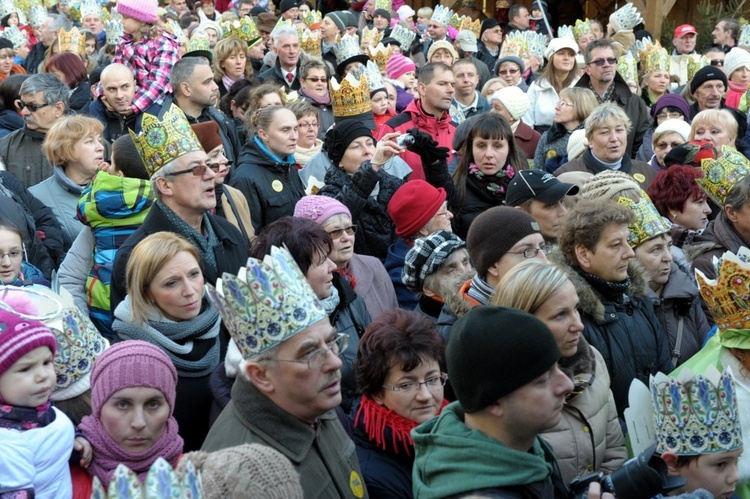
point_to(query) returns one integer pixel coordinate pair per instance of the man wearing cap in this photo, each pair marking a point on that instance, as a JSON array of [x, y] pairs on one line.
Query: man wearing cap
[[502, 364], [685, 37], [467, 99], [466, 46], [285, 70], [289, 9], [266, 23], [417, 209], [490, 38], [541, 195]]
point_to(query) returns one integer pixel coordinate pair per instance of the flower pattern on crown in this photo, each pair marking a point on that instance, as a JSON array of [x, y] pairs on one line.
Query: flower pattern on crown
[[164, 139], [695, 414], [442, 15], [648, 222], [626, 17], [8, 7], [199, 41], [16, 36], [375, 79], [245, 29], [384, 4], [309, 43], [372, 36], [468, 24], [536, 43], [267, 302], [351, 97], [723, 173], [653, 57], [627, 66], [114, 28], [581, 28], [311, 17], [90, 8], [380, 55], [161, 481], [404, 36], [728, 296], [71, 41], [37, 15]]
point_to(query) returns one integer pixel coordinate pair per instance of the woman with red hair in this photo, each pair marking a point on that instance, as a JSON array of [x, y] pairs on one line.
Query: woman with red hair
[[69, 67]]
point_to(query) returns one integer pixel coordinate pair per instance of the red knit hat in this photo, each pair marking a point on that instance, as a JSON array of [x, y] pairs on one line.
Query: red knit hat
[[413, 205], [141, 10], [19, 336], [397, 65]]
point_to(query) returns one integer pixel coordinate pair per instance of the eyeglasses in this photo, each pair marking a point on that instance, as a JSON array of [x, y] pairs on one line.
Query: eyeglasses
[[305, 124], [414, 386], [527, 253], [506, 72], [317, 357], [13, 255], [20, 104], [717, 62], [317, 79], [601, 62], [197, 171], [669, 115], [564, 103], [663, 145], [216, 166], [351, 230]]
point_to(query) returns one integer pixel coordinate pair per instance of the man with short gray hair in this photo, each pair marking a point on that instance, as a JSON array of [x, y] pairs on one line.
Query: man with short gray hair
[[285, 70], [48, 32]]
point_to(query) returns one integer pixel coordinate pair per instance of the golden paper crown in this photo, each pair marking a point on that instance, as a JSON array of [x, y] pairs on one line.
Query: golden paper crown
[[728, 296], [281, 24], [244, 29], [384, 4], [723, 173], [372, 36], [467, 24], [696, 63], [627, 66], [648, 222], [380, 55], [515, 44], [654, 58], [351, 97], [455, 21], [71, 41], [199, 42], [312, 17], [581, 28], [164, 139], [309, 43]]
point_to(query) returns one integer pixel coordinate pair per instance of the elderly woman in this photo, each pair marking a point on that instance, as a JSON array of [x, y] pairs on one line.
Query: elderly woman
[[308, 124], [166, 307], [310, 246], [70, 69], [74, 146], [588, 437], [571, 110], [400, 374], [357, 179], [717, 126], [607, 129], [133, 391], [512, 104], [365, 274], [230, 63], [313, 80], [442, 51], [510, 68], [668, 107], [667, 136]]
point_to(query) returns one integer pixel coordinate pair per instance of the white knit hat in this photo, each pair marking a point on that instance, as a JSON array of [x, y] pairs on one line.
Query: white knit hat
[[577, 143], [735, 59], [514, 99], [677, 126], [405, 12]]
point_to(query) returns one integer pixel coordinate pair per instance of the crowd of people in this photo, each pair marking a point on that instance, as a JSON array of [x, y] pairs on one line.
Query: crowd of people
[[260, 248]]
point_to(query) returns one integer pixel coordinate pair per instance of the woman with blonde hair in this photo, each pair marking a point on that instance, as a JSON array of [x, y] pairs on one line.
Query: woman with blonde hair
[[166, 306], [588, 437], [230, 63], [717, 126]]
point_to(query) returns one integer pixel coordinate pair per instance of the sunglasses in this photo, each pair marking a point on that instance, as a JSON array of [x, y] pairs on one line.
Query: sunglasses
[[717, 62], [335, 234], [197, 171], [316, 79], [505, 72], [20, 104], [601, 62]]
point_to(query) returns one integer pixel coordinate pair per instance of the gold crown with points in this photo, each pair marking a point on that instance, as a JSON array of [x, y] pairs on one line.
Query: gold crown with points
[[728, 296], [627, 66], [455, 21], [648, 223], [164, 140], [515, 44], [380, 55], [245, 29], [654, 58], [372, 36], [723, 173], [581, 28], [71, 41], [311, 17], [351, 97], [695, 63], [467, 24], [309, 43]]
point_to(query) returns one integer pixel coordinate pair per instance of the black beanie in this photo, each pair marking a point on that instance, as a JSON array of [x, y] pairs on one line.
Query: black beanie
[[339, 138], [287, 5], [382, 12], [705, 74], [494, 232], [493, 351]]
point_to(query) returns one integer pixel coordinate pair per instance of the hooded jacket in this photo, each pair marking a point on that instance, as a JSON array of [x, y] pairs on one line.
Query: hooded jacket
[[719, 237]]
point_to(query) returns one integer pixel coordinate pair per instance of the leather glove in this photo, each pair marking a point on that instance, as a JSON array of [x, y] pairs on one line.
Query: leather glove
[[427, 148]]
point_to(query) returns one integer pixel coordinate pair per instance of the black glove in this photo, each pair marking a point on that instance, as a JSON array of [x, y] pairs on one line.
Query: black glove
[[427, 148]]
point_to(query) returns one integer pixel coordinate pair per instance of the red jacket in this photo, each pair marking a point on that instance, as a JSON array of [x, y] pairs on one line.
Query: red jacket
[[441, 129]]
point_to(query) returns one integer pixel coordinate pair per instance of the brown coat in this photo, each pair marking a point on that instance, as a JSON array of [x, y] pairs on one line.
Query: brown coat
[[527, 139], [642, 172], [243, 210]]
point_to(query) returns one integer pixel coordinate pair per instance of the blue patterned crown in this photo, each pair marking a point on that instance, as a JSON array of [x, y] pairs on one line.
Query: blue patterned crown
[[161, 482], [744, 37], [16, 36], [346, 48], [267, 302], [374, 78], [404, 36], [723, 173]]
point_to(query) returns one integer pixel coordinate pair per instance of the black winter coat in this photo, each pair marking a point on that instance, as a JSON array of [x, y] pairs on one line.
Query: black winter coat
[[271, 189], [370, 214]]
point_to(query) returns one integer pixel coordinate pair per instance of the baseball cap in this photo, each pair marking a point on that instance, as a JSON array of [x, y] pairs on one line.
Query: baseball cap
[[684, 29], [537, 185], [467, 41]]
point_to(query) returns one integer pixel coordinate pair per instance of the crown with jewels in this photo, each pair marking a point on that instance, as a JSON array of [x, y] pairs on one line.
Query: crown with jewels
[[372, 36], [455, 21], [8, 7], [114, 28], [728, 296], [375, 79], [380, 55], [90, 8], [566, 31], [653, 56], [723, 173], [164, 139], [442, 15], [404, 36], [16, 36], [311, 17], [696, 63], [266, 303], [37, 15], [161, 481], [627, 66], [625, 18], [468, 24], [346, 48], [744, 40], [309, 43], [351, 97], [71, 40], [514, 44], [245, 29], [581, 28], [648, 222]]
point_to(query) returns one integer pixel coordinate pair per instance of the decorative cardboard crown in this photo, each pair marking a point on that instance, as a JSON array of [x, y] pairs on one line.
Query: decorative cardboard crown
[[648, 222], [71, 41], [90, 8], [114, 28], [723, 173], [404, 36], [199, 41], [475, 26], [728, 296], [695, 414], [173, 27], [374, 77], [442, 15], [654, 58], [281, 24], [626, 17], [312, 17], [566, 31], [164, 140], [380, 55], [16, 36], [581, 28], [245, 29], [37, 15], [744, 37], [371, 36], [309, 43], [536, 43], [627, 66], [8, 7], [455, 21], [351, 97], [696, 63], [384, 4], [162, 482], [515, 44], [267, 302], [346, 48]]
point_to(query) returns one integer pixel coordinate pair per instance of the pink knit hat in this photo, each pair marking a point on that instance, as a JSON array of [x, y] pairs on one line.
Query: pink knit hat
[[319, 208], [140, 10], [397, 65], [19, 336], [128, 364]]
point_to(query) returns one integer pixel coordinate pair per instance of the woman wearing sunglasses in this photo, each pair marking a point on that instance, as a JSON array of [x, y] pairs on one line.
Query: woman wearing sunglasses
[[510, 68], [314, 89]]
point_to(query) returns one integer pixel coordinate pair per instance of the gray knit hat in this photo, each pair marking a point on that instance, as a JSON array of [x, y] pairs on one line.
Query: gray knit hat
[[426, 257], [339, 19]]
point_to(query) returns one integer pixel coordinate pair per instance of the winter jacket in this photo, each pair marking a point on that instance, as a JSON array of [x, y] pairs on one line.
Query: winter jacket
[[646, 151], [10, 121], [21, 151], [718, 238], [633, 106], [232, 205], [80, 97], [73, 273], [552, 150], [271, 188], [527, 140], [626, 332], [482, 106], [35, 58], [403, 98], [274, 75], [643, 173], [543, 99], [325, 114], [61, 195], [322, 454], [314, 172], [373, 284], [366, 193], [115, 124], [484, 55], [679, 308], [588, 437], [394, 264], [441, 129]]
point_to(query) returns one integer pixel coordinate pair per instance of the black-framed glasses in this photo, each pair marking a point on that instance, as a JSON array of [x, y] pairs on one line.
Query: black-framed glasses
[[601, 62], [717, 62], [414, 386], [20, 104], [337, 233], [197, 171], [527, 253], [317, 357]]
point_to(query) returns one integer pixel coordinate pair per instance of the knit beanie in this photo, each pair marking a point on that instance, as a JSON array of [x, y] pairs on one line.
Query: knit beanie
[[208, 135], [426, 257], [128, 364], [691, 154], [5, 43], [442, 44], [680, 127], [140, 10], [405, 12], [338, 19], [319, 208], [577, 143], [705, 74], [397, 65], [287, 5], [610, 185], [736, 59], [344, 133], [514, 99], [19, 336], [509, 58], [494, 232], [671, 100], [493, 351], [382, 12], [413, 205]]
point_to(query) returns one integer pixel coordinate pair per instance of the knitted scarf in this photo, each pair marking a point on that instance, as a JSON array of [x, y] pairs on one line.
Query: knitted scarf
[[204, 244], [330, 303], [496, 183], [480, 290], [25, 418], [615, 291], [228, 82], [302, 154], [322, 101], [108, 454], [192, 345], [734, 94]]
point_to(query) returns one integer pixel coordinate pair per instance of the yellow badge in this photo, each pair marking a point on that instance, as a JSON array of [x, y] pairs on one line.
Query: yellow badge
[[277, 185], [639, 177], [355, 483]]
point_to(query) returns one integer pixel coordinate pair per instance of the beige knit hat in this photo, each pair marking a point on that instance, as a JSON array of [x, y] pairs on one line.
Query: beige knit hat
[[577, 143], [611, 185], [248, 470], [514, 99]]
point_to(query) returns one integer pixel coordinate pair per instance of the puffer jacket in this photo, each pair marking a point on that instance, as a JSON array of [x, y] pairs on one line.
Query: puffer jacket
[[719, 237], [271, 188], [369, 212], [627, 333], [588, 437]]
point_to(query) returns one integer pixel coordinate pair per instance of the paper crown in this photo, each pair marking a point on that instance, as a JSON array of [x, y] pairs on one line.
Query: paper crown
[[627, 66], [515, 44], [245, 29], [351, 97], [696, 63], [626, 17], [311, 17], [380, 55], [114, 29], [468, 24], [744, 40], [404, 36], [442, 15], [566, 31], [309, 43], [281, 24], [536, 43], [267, 302], [199, 42], [71, 41], [375, 79], [173, 27], [161, 482], [37, 15], [348, 48], [653, 56], [90, 8], [384, 4], [164, 140], [648, 222], [371, 36], [728, 296], [16, 36], [723, 173], [581, 28], [8, 7]]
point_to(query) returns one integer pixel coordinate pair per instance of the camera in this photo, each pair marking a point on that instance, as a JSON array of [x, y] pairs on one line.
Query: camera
[[405, 140], [642, 477]]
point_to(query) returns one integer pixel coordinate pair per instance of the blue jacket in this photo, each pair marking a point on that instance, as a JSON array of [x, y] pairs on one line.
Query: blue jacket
[[394, 264]]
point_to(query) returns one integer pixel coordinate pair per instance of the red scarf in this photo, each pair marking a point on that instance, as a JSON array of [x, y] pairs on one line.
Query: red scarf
[[346, 273]]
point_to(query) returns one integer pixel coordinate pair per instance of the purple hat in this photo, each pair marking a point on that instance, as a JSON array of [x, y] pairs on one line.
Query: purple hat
[[671, 100], [19, 336], [319, 208]]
